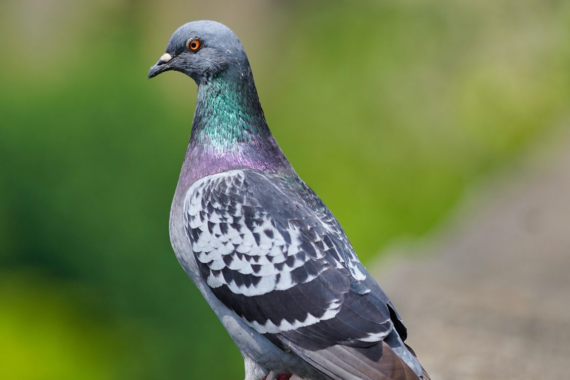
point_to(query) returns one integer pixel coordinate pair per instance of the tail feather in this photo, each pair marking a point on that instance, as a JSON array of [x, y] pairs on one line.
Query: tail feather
[[425, 375], [348, 363]]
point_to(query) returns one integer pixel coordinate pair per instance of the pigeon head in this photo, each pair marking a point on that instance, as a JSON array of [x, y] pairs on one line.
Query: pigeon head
[[202, 50]]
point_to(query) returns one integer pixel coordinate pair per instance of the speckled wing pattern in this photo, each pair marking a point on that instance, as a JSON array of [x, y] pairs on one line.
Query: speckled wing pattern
[[273, 253]]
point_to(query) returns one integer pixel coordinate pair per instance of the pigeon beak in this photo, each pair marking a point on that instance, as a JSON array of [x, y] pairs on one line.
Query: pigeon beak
[[161, 66]]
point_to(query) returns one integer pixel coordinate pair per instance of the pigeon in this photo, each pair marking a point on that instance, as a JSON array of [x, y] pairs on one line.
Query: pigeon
[[263, 249]]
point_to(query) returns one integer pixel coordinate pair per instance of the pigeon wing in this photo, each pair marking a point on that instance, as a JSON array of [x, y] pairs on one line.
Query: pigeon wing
[[272, 252]]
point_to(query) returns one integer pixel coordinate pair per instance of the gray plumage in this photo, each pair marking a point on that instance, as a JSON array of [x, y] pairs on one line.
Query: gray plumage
[[263, 249]]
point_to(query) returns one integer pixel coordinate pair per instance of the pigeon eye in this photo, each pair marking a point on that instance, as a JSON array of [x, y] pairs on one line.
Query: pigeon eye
[[194, 44]]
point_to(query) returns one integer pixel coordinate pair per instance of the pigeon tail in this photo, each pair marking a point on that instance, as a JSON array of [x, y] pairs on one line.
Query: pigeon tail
[[348, 363]]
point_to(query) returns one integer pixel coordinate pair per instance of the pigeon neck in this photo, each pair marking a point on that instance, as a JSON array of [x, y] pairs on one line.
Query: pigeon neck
[[229, 130], [228, 112]]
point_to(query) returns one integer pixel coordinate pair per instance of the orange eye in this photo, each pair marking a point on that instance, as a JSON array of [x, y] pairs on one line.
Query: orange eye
[[194, 44]]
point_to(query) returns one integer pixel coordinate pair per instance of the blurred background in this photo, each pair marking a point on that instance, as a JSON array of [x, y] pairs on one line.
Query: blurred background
[[393, 111]]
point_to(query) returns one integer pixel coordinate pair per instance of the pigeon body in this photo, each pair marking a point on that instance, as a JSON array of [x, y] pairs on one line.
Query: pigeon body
[[266, 253]]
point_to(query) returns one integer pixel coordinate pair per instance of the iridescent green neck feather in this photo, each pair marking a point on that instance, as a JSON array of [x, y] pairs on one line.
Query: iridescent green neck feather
[[229, 130], [228, 113]]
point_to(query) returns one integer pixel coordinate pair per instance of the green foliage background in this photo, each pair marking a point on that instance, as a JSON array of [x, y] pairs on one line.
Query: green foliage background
[[390, 110]]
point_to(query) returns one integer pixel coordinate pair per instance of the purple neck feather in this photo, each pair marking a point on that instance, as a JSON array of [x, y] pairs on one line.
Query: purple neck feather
[[229, 131]]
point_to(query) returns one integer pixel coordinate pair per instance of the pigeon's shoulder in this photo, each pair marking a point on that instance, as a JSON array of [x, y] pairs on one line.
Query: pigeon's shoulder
[[272, 252], [258, 210]]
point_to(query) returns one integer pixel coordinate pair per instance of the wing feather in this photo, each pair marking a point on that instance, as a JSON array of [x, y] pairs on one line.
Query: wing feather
[[273, 253]]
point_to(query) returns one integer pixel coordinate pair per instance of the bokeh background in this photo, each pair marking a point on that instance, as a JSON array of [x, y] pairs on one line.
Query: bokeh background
[[391, 110]]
